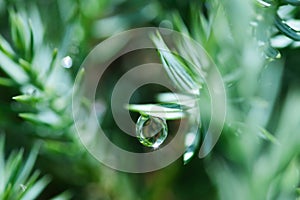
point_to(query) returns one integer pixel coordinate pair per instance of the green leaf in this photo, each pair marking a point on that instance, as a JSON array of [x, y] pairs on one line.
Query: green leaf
[[52, 63], [30, 50], [6, 48], [179, 24], [77, 87], [32, 74], [264, 3], [47, 118], [259, 131], [17, 182], [173, 106], [268, 136], [18, 31], [36, 189], [292, 2], [64, 196], [25, 65], [201, 27], [175, 68], [29, 183], [167, 111], [7, 82], [7, 192], [272, 53], [176, 98], [29, 99], [12, 167], [2, 163], [192, 141], [27, 167], [32, 118], [13, 70], [286, 29]]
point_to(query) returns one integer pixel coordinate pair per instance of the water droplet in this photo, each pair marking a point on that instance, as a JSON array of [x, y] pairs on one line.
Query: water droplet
[[67, 62], [188, 154], [23, 187], [259, 17], [166, 24], [151, 131], [166, 27], [189, 139], [254, 23], [261, 43], [31, 91]]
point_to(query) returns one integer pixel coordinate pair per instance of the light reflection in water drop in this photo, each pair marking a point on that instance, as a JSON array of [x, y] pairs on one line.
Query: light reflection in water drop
[[151, 131], [67, 62]]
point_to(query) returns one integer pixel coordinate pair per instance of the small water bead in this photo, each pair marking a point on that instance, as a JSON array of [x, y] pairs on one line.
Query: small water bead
[[23, 187], [151, 131], [67, 62]]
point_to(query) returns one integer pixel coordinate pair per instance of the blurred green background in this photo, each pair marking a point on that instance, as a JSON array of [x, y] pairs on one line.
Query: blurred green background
[[257, 156]]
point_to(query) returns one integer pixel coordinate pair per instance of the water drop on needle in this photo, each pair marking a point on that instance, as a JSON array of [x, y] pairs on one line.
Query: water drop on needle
[[151, 131]]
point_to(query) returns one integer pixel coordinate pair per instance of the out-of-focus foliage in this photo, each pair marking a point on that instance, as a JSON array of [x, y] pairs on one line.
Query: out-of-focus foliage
[[255, 46], [17, 179]]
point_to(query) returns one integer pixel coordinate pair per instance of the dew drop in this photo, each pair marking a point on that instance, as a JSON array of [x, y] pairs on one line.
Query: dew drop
[[166, 24], [23, 187], [151, 131], [67, 62]]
